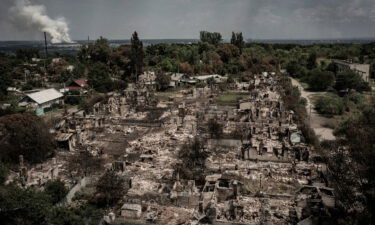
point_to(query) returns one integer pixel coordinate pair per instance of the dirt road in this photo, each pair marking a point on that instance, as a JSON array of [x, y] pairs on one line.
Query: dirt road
[[317, 122]]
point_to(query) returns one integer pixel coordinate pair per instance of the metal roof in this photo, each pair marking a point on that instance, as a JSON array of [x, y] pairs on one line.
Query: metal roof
[[44, 96]]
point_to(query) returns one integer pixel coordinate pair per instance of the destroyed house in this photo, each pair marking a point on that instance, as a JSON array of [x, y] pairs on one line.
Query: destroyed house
[[362, 69], [133, 211]]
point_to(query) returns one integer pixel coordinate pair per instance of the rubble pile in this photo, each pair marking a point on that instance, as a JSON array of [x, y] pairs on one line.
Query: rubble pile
[[259, 170]]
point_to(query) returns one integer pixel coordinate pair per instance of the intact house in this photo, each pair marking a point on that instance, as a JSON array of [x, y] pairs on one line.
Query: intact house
[[42, 100], [362, 69], [78, 84]]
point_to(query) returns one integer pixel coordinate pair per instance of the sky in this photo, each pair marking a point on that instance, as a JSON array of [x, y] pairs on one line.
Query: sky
[[160, 19]]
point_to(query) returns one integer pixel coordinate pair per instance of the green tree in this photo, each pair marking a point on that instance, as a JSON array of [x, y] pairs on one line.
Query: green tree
[[99, 78], [295, 70], [110, 189], [213, 38], [162, 81], [26, 54], [137, 55], [57, 190], [237, 40], [332, 67], [23, 206], [350, 80], [227, 52], [27, 135], [166, 65], [311, 61], [354, 181], [65, 216], [96, 52], [330, 105], [319, 80]]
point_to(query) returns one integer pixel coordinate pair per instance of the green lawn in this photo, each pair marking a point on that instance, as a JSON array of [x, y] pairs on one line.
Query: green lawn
[[230, 98]]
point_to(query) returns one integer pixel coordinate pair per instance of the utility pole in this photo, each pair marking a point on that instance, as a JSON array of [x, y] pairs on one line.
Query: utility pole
[[46, 55], [45, 51]]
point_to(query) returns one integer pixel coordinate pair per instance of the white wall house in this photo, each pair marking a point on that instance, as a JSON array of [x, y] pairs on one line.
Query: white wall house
[[42, 99]]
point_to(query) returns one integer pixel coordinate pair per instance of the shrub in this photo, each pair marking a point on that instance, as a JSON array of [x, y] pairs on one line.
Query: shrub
[[320, 80], [330, 105], [350, 80], [57, 190], [3, 173]]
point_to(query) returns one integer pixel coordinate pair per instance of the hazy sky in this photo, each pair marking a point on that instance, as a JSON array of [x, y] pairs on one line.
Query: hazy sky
[[257, 19]]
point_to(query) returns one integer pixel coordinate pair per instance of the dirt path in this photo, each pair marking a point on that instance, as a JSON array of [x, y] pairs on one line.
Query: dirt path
[[316, 121]]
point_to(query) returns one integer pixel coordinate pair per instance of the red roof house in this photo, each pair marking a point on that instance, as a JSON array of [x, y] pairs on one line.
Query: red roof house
[[78, 84]]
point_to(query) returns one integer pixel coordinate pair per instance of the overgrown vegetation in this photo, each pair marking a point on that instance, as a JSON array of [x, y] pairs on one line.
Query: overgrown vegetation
[[109, 189], [351, 167], [27, 135], [193, 156], [292, 99]]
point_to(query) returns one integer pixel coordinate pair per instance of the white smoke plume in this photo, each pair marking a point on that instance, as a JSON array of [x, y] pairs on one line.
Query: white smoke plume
[[35, 17]]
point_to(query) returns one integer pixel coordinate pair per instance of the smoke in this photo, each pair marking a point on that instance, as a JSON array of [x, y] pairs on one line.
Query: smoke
[[35, 17]]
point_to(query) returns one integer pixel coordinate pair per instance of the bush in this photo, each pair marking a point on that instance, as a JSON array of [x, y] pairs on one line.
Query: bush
[[348, 80], [330, 105], [57, 190], [320, 80], [295, 70], [3, 173]]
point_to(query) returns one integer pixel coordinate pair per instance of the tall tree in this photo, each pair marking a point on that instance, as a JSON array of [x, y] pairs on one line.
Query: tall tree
[[96, 52], [237, 40], [311, 61], [110, 189], [137, 55], [99, 78], [213, 38]]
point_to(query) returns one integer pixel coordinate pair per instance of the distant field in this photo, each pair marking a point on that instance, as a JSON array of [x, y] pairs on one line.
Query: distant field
[[231, 98], [167, 94]]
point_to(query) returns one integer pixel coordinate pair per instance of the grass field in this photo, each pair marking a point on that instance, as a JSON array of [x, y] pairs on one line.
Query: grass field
[[230, 98]]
